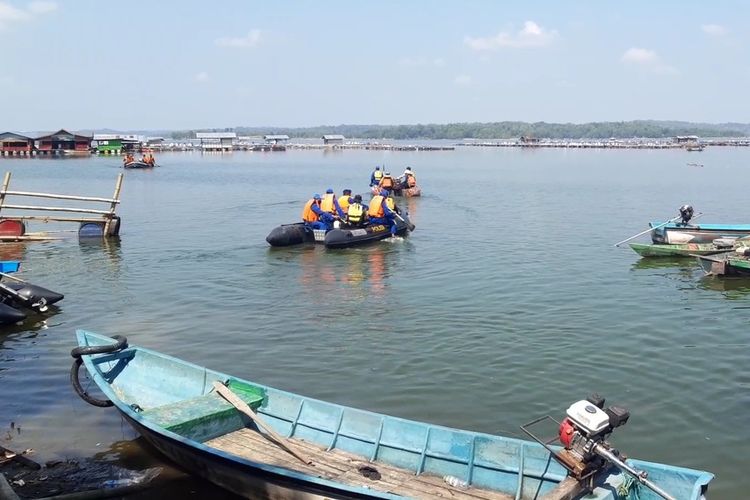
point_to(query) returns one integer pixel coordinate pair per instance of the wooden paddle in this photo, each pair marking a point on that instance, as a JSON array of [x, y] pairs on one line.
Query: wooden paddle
[[230, 396], [409, 225]]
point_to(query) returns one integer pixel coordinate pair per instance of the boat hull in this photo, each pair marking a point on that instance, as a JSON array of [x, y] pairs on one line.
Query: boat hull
[[290, 234], [138, 164], [704, 233], [667, 250], [726, 264], [349, 237], [408, 192], [10, 315]]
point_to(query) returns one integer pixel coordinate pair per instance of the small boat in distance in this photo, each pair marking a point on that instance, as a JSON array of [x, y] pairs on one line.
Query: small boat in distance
[[139, 164], [679, 233], [733, 263], [687, 249], [261, 442]]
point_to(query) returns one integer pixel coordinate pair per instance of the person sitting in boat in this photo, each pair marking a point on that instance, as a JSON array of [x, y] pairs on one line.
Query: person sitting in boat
[[407, 179], [314, 217], [149, 159], [128, 159], [345, 199], [386, 182], [356, 214], [380, 213], [377, 174], [331, 205]]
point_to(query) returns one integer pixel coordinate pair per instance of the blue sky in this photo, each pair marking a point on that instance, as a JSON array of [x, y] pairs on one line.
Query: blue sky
[[184, 64]]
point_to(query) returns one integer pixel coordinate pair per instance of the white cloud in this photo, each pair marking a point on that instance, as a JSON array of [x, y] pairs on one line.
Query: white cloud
[[532, 35], [201, 77], [10, 14], [42, 7], [463, 80], [647, 59], [250, 41], [409, 62], [714, 29]]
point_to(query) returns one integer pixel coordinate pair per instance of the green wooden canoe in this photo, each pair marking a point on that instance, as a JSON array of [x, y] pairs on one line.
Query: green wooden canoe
[[676, 250]]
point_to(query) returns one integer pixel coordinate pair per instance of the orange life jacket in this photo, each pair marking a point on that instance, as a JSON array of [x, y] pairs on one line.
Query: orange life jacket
[[344, 202], [376, 207], [327, 204], [386, 182], [307, 213]]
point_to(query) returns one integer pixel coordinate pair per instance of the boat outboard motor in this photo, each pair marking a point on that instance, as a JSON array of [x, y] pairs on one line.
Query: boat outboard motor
[[583, 433], [32, 296], [686, 213]]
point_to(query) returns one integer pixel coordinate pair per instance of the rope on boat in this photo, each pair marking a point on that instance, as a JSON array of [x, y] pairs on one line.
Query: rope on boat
[[629, 488], [122, 343]]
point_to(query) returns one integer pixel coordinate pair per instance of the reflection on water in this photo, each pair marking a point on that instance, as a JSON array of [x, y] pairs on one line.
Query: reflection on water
[[665, 262], [733, 288], [12, 251]]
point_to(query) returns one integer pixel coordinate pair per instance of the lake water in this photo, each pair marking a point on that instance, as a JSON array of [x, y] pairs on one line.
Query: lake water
[[508, 302]]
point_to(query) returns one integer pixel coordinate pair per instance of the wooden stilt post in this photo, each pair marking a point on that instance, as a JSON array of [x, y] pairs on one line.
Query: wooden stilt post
[[113, 206], [6, 182]]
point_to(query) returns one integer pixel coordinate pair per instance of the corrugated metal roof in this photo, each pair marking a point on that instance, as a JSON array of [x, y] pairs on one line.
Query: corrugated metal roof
[[13, 135], [216, 135], [276, 137], [333, 136]]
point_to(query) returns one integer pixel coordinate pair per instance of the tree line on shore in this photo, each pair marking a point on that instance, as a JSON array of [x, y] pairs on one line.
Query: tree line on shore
[[499, 130]]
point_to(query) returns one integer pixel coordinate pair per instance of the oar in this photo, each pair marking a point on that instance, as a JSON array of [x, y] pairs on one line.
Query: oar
[[655, 227], [409, 225], [230, 396]]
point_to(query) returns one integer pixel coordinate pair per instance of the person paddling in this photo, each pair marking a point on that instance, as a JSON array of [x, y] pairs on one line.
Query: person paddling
[[380, 213], [314, 216]]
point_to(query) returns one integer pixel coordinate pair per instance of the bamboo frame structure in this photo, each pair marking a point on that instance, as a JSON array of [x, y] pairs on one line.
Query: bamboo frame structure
[[107, 216]]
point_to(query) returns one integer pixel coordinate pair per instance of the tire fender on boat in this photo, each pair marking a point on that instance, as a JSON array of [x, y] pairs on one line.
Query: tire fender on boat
[[120, 344]]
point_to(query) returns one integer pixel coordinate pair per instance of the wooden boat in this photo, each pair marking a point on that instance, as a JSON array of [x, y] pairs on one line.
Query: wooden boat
[[678, 233], [727, 263], [408, 192], [139, 164], [318, 450], [682, 250]]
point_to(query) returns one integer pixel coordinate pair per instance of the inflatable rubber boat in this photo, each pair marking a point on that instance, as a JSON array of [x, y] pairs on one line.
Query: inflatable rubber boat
[[18, 294], [139, 164], [295, 234]]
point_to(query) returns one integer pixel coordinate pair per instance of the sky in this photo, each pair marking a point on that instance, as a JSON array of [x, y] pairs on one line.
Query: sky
[[175, 65]]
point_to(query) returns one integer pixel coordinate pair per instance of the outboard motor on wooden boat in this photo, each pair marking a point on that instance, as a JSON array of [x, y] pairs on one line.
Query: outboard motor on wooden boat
[[686, 213], [583, 433]]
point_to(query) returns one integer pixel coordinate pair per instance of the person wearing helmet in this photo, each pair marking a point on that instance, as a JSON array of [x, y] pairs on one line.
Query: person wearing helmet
[[344, 200], [356, 214], [377, 174], [387, 181], [380, 212], [314, 217]]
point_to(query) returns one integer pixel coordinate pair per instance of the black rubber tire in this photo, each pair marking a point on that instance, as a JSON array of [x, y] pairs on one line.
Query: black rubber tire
[[102, 403], [122, 343]]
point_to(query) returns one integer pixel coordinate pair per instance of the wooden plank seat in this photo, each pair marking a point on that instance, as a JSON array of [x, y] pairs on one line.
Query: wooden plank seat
[[206, 416]]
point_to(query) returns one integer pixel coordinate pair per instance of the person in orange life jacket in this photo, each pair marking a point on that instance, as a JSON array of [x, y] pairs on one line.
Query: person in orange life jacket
[[331, 205], [314, 217], [377, 174], [380, 213], [345, 199], [407, 179], [386, 182]]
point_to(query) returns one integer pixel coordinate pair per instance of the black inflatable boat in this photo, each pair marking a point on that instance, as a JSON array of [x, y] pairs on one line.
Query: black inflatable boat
[[294, 234], [15, 295], [139, 164]]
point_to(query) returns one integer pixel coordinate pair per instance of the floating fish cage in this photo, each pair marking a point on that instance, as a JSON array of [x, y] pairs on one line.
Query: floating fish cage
[[97, 223]]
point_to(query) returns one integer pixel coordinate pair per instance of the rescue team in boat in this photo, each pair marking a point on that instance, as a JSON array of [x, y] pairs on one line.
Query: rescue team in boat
[[380, 180], [147, 159], [322, 212]]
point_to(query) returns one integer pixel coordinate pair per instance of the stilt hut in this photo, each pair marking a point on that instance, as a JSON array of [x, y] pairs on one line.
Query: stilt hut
[[63, 141], [15, 144]]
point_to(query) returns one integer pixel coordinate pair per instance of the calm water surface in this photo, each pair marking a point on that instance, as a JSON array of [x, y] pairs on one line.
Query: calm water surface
[[508, 301]]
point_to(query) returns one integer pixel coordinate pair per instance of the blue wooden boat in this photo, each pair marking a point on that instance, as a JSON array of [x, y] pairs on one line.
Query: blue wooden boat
[[350, 453], [679, 233]]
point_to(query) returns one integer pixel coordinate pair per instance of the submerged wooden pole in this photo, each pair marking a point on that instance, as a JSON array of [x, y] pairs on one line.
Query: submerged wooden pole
[[115, 201]]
